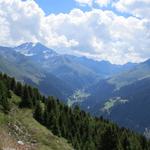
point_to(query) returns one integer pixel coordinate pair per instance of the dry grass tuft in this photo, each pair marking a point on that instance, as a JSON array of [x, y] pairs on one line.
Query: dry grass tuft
[[8, 143]]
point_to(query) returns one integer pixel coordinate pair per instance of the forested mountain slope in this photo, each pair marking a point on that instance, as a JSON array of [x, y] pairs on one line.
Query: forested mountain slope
[[124, 98], [18, 128], [79, 128], [132, 107], [128, 106]]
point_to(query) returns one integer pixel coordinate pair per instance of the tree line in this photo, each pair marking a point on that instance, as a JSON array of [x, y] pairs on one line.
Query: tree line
[[82, 130]]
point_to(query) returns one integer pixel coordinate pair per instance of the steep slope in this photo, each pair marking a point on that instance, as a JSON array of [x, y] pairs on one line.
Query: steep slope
[[73, 73], [52, 73], [79, 128], [124, 98], [25, 70], [26, 132], [139, 72], [17, 65], [134, 112], [107, 88], [99, 92], [78, 72]]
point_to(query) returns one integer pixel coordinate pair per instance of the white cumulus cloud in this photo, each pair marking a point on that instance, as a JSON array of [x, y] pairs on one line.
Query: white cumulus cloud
[[138, 8], [85, 2], [103, 3], [96, 34], [22, 21]]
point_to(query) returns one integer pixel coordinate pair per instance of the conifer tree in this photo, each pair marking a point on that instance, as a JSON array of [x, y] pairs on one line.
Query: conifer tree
[[4, 102], [13, 84], [38, 113], [19, 89], [26, 99]]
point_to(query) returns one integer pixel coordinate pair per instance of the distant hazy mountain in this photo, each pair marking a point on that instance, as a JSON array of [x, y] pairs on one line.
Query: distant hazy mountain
[[36, 51], [119, 92], [62, 66], [124, 98], [108, 86], [132, 108], [103, 68], [139, 72], [78, 72], [35, 63], [25, 70]]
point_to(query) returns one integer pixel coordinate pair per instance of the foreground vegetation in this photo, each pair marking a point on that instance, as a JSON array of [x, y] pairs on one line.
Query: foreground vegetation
[[19, 125], [79, 128]]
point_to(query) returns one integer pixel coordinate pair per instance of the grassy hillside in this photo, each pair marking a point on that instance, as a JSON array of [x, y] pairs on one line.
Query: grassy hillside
[[139, 72], [83, 131], [19, 125]]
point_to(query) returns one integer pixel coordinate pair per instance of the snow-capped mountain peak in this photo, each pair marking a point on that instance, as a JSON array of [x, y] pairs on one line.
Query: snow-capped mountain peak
[[35, 49]]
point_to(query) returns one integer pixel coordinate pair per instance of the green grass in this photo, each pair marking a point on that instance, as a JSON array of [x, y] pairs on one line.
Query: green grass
[[3, 119], [15, 99], [45, 140], [108, 105], [77, 97]]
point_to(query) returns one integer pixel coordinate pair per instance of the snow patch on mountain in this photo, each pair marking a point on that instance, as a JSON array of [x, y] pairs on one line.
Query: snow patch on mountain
[[35, 49]]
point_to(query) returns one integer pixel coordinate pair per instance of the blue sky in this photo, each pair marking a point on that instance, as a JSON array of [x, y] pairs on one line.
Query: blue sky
[[61, 6], [65, 6], [58, 6]]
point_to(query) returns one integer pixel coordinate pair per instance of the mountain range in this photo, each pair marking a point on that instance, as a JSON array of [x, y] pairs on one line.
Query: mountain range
[[124, 97], [118, 92], [34, 63]]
